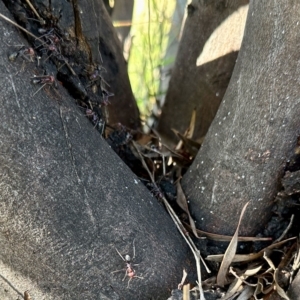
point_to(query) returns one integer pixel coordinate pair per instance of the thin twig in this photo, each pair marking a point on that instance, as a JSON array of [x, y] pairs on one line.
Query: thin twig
[[184, 275], [187, 237], [242, 278], [34, 36], [286, 230], [20, 27], [143, 161], [69, 66], [180, 227], [39, 89], [41, 20]]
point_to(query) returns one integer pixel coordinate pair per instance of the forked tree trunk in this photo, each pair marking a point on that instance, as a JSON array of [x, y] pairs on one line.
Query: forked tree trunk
[[256, 127], [67, 201]]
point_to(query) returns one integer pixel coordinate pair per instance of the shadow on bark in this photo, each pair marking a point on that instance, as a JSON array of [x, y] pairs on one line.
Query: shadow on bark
[[203, 88], [188, 85]]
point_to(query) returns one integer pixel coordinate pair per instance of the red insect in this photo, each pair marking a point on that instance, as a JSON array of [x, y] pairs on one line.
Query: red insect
[[26, 53], [96, 74], [130, 272], [44, 80]]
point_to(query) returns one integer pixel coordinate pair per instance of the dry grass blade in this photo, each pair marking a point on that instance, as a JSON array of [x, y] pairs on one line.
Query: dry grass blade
[[143, 161], [279, 289], [286, 230], [230, 253], [173, 152], [269, 261], [248, 257], [20, 27], [182, 202], [191, 145], [190, 243], [296, 262], [179, 226], [36, 13], [259, 288], [233, 289], [252, 270], [236, 285], [227, 238], [184, 275], [189, 132]]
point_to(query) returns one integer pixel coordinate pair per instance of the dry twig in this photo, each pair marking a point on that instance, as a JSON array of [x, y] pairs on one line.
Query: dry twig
[[179, 226]]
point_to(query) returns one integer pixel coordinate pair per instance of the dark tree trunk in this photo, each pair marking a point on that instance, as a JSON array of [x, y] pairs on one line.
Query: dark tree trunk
[[93, 42], [108, 7], [255, 130], [67, 201], [104, 46], [198, 87]]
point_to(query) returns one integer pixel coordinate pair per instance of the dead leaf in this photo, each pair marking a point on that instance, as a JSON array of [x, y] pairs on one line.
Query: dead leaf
[[247, 257], [189, 132], [227, 238], [269, 261], [230, 253], [296, 262], [184, 275], [237, 283], [259, 288], [182, 202], [190, 145], [279, 289]]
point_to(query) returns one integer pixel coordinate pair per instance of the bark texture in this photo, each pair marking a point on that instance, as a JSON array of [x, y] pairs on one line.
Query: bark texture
[[103, 40], [67, 201], [95, 42], [256, 127], [200, 87]]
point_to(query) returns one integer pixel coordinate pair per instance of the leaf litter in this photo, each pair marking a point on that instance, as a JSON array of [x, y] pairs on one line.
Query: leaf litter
[[256, 275]]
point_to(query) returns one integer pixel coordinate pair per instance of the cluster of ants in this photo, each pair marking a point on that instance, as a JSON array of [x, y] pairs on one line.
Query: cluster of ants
[[48, 42]]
